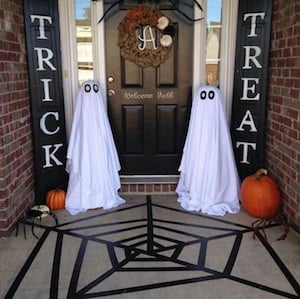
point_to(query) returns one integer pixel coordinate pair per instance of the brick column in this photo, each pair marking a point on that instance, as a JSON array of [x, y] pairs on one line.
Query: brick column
[[16, 168], [283, 120]]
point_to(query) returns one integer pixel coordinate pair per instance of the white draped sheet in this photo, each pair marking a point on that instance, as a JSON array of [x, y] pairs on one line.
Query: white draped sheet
[[92, 160], [208, 177]]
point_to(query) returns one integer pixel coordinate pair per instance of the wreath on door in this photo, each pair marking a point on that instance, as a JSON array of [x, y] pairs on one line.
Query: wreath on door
[[132, 43]]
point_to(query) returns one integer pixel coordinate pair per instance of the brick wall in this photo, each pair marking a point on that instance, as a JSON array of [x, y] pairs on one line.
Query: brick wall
[[283, 120], [16, 169]]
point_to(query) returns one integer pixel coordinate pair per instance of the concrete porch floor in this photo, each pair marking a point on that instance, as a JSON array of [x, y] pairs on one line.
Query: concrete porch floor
[[149, 248]]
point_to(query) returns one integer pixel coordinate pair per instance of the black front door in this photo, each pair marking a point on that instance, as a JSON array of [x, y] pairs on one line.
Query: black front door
[[148, 106]]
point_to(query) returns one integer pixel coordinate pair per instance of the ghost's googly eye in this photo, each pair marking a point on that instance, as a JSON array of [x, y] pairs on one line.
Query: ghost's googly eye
[[211, 95], [203, 95], [87, 87], [95, 87]]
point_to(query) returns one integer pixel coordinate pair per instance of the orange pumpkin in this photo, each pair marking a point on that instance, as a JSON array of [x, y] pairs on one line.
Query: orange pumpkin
[[260, 196], [56, 199]]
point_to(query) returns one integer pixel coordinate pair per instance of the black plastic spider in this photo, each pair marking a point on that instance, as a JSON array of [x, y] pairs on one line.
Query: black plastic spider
[[35, 214], [263, 223]]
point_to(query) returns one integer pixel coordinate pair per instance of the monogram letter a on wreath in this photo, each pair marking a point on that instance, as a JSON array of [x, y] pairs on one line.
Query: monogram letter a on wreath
[[141, 46]]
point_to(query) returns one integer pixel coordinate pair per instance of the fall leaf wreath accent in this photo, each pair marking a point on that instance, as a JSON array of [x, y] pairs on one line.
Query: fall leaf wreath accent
[[133, 44]]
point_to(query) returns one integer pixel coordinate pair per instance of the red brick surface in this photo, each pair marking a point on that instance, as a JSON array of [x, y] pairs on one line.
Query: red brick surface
[[283, 119], [148, 188], [16, 168]]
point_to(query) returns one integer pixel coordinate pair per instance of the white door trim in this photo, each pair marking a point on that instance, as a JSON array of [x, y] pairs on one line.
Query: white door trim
[[228, 41], [69, 58], [198, 48], [98, 46]]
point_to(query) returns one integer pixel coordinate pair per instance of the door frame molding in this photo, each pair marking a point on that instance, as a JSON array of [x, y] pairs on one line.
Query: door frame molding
[[69, 52], [228, 41]]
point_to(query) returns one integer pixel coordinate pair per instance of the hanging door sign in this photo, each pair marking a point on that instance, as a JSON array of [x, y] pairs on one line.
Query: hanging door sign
[[250, 84], [46, 94]]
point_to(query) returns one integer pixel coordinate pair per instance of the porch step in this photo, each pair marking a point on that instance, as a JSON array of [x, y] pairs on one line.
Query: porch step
[[146, 184]]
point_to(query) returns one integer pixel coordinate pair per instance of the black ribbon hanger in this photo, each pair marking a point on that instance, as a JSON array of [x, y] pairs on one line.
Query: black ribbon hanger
[[172, 2]]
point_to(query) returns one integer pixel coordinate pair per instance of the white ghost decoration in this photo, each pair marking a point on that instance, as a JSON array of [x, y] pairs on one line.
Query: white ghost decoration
[[92, 160], [208, 177]]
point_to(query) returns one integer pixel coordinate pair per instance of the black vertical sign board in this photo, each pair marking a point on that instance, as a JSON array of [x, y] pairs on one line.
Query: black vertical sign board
[[46, 94], [250, 84]]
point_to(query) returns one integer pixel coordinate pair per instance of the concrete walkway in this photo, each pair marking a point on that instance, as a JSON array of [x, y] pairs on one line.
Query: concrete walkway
[[149, 248]]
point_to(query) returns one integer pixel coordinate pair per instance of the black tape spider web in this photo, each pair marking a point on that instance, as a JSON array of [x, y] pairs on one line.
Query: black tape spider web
[[148, 241]]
